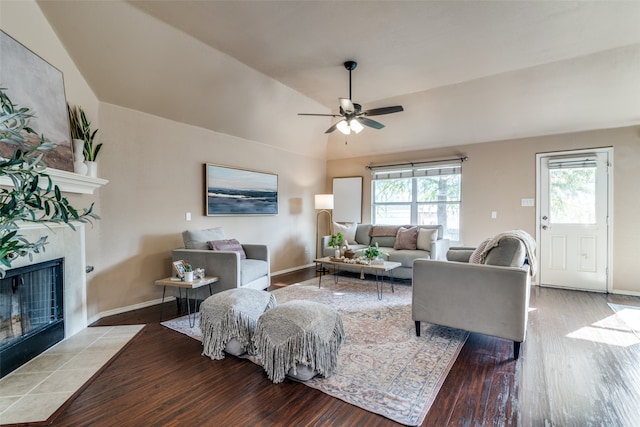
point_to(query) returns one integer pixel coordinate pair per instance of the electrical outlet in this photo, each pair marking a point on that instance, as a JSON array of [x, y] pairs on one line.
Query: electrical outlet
[[187, 216], [494, 214]]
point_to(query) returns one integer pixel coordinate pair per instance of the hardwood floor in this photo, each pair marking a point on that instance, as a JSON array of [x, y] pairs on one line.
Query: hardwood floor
[[576, 368]]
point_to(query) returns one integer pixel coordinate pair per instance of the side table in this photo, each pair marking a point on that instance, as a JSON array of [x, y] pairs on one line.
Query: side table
[[180, 284]]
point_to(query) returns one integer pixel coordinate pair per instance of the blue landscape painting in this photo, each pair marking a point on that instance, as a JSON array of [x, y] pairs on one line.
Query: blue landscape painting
[[233, 191]]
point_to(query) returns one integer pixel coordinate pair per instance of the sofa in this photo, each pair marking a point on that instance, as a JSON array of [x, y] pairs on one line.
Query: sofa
[[236, 265], [403, 244], [484, 290]]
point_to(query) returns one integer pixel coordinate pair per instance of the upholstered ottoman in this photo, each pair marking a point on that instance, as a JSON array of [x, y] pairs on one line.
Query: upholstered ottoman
[[299, 339], [228, 320]]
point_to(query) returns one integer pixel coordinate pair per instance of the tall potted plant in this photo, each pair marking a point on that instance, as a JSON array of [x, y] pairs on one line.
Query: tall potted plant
[[77, 140], [32, 197], [82, 127]]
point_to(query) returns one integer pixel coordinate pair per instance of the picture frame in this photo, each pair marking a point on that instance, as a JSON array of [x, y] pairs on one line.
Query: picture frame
[[179, 268], [236, 191], [32, 82]]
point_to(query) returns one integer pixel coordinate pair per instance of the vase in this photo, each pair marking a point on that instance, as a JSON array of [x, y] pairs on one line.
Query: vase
[[188, 276], [78, 157], [336, 253], [92, 169]]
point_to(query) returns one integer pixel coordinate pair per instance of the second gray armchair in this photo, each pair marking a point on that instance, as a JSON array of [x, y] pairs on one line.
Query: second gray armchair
[[237, 266]]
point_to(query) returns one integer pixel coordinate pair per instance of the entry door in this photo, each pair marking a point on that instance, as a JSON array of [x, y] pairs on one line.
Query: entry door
[[573, 221]]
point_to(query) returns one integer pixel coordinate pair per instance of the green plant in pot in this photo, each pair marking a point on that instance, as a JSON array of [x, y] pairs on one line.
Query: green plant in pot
[[188, 272], [373, 252], [81, 129], [32, 197], [335, 242]]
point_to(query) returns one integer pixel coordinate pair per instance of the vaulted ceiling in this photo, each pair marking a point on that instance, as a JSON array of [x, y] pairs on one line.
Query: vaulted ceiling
[[465, 72]]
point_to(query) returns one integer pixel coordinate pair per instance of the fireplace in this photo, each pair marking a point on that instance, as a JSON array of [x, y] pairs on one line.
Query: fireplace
[[31, 312]]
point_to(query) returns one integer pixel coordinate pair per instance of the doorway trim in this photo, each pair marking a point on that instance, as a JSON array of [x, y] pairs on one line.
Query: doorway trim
[[579, 152]]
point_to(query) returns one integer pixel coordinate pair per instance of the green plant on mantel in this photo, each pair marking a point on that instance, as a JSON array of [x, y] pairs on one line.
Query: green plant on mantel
[[32, 197], [81, 129]]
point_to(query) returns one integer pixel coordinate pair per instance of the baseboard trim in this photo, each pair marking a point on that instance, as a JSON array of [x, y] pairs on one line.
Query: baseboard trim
[[146, 304], [121, 310], [289, 270], [625, 292]]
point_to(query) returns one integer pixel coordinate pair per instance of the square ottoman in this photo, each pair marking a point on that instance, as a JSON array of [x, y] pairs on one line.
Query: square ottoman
[[228, 320], [299, 339]]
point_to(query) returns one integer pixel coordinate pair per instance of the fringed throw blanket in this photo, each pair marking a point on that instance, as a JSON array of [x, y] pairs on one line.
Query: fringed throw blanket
[[304, 332], [529, 245], [232, 314]]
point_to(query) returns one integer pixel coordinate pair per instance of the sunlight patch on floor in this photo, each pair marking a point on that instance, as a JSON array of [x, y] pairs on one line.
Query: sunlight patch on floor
[[620, 329]]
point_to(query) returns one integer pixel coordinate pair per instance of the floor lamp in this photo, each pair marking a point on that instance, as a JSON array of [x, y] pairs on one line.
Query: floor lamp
[[323, 204]]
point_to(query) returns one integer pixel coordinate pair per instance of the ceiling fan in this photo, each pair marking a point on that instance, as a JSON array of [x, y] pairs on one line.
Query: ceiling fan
[[352, 116]]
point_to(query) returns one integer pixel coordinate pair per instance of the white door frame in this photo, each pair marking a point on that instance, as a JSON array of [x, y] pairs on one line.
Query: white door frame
[[609, 152]]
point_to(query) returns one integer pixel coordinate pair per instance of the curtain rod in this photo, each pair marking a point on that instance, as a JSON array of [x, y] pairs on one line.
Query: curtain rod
[[412, 164]]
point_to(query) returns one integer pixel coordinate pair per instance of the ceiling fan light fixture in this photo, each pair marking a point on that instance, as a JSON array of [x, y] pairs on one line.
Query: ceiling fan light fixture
[[355, 126], [343, 127]]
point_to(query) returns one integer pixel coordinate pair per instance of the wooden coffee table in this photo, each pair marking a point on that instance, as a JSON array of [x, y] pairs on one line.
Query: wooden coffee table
[[182, 284], [378, 269]]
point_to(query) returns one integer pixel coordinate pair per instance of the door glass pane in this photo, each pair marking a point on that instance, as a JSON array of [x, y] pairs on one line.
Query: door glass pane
[[572, 194]]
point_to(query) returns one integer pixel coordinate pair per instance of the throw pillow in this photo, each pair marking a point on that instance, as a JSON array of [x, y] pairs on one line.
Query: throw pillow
[[197, 239], [348, 230], [476, 255], [426, 236], [384, 230], [227, 245], [406, 238]]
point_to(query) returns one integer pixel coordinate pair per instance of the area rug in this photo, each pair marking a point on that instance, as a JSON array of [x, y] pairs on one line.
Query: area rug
[[383, 367]]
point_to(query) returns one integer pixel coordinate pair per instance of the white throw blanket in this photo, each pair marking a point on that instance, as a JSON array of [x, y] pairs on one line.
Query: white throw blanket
[[529, 245]]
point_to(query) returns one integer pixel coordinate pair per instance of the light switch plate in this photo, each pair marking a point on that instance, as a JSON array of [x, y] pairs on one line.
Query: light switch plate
[[526, 202]]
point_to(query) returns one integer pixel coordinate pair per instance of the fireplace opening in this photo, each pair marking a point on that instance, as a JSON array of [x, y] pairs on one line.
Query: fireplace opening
[[31, 312]]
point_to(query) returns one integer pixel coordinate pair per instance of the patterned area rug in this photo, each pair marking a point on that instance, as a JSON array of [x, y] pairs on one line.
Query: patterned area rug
[[383, 367]]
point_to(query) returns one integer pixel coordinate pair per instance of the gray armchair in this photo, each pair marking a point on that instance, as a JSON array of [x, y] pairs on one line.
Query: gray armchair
[[490, 298], [253, 272]]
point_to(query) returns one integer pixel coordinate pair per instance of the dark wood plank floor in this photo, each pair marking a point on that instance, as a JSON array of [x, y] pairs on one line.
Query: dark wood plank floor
[[563, 378]]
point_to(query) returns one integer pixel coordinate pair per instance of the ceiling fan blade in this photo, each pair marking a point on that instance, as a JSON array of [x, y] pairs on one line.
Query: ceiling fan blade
[[347, 106], [322, 115], [332, 128], [384, 110], [370, 123]]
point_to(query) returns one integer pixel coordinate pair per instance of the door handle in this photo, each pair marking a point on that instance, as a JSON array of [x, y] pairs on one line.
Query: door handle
[[544, 227]]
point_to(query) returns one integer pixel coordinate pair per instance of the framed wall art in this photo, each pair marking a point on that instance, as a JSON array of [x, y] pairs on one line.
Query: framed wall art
[[234, 191], [32, 82]]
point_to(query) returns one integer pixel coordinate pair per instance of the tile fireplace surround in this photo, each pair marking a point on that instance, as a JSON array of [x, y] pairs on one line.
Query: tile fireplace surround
[[63, 242]]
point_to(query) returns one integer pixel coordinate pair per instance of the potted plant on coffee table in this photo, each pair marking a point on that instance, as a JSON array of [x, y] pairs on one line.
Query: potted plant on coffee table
[[335, 242], [373, 254]]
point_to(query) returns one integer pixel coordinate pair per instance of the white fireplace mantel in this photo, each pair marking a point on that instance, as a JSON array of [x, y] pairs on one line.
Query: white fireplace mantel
[[68, 181]]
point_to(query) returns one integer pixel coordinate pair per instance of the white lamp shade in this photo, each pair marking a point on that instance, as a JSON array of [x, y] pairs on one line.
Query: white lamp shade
[[324, 201]]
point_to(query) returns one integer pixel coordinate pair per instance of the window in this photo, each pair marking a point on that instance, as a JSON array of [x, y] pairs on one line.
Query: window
[[418, 195]]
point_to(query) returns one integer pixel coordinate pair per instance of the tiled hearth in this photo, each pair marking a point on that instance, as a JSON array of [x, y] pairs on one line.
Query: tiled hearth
[[37, 389]]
